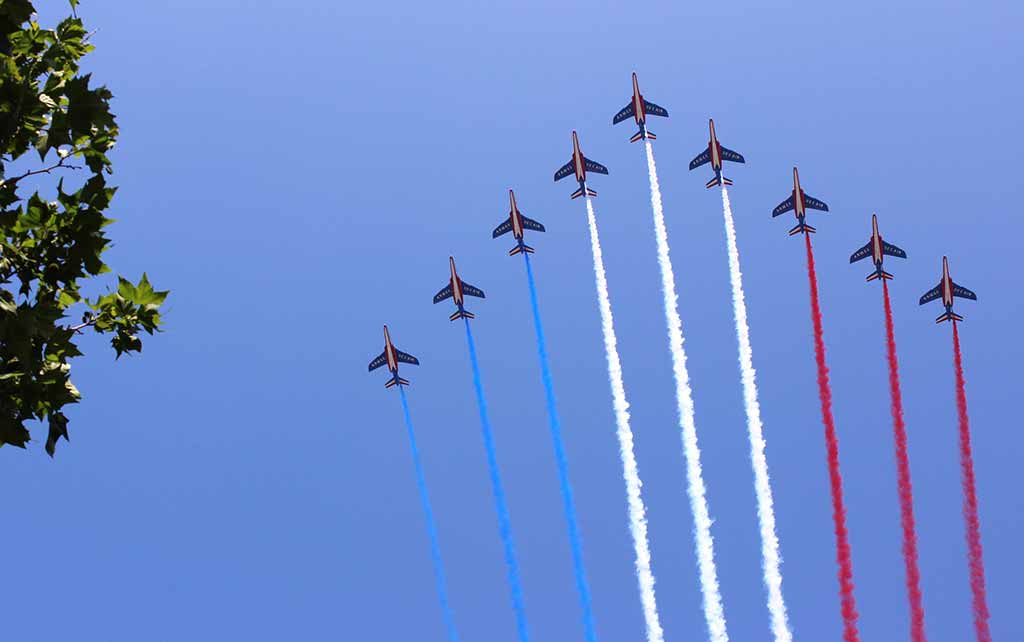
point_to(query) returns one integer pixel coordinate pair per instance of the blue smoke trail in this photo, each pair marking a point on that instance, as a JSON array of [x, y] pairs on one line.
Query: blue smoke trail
[[499, 494], [563, 464], [435, 549]]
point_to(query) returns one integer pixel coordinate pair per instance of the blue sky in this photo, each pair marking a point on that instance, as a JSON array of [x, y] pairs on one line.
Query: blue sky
[[298, 175]]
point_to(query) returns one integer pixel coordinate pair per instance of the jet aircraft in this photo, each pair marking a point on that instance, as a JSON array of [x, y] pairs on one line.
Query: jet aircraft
[[799, 202], [580, 165], [946, 289], [516, 223], [457, 289], [715, 154], [638, 108], [877, 249], [391, 357]]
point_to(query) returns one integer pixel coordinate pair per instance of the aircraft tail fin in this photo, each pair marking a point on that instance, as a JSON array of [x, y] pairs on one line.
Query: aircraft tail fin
[[520, 248], [396, 381], [462, 314], [881, 274], [802, 227], [583, 190], [643, 133], [949, 316], [718, 180]]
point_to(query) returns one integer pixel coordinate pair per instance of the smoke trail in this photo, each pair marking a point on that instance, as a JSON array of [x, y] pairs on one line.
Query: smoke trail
[[849, 605], [637, 521], [499, 494], [562, 462], [428, 514], [903, 476], [713, 613], [974, 557], [770, 559]]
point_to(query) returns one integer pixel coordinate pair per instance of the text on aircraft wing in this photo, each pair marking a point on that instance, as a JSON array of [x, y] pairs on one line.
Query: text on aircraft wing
[[931, 295], [892, 250], [964, 293], [564, 170], [783, 207], [406, 358], [378, 362], [655, 110], [531, 224], [701, 158], [624, 113], [443, 294], [505, 227], [862, 253], [812, 203], [593, 166], [729, 155], [471, 290]]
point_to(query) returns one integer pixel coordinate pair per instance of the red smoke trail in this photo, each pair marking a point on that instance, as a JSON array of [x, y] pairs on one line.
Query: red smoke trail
[[903, 477], [849, 605], [977, 565]]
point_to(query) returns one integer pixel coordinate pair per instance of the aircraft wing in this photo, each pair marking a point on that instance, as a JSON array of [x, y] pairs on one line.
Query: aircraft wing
[[471, 290], [964, 293], [651, 108], [406, 358], [931, 295], [504, 228], [783, 207], [862, 253], [564, 170], [445, 293], [702, 158], [729, 155], [892, 250], [812, 203], [531, 224], [624, 113], [378, 362], [593, 166]]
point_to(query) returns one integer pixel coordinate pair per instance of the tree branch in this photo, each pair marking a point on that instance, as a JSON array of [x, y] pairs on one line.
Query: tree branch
[[46, 170], [82, 326]]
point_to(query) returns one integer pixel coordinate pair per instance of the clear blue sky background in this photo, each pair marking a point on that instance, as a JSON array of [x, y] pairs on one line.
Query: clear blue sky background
[[298, 173]]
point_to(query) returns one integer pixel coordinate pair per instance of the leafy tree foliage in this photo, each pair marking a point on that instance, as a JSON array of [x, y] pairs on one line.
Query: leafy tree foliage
[[49, 249]]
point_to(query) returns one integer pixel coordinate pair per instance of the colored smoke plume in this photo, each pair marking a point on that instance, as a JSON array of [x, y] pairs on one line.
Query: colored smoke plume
[[428, 514], [906, 494], [637, 519], [770, 557], [849, 605], [974, 555], [504, 524], [713, 611], [561, 461]]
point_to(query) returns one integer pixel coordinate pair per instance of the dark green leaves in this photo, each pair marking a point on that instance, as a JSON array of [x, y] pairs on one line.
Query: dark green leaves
[[52, 240]]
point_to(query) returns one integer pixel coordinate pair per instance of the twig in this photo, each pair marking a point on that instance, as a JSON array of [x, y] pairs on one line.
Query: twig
[[46, 170], [82, 326]]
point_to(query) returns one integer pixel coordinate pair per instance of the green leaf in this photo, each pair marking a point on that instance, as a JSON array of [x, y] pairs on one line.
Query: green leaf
[[52, 251]]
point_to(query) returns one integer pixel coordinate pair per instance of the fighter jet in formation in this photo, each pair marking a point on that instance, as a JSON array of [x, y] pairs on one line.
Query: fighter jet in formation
[[877, 249], [799, 202], [715, 154], [947, 290], [457, 289], [516, 223], [580, 165], [391, 357], [638, 108]]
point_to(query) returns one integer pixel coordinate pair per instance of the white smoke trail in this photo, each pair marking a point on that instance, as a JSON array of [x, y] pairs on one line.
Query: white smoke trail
[[637, 520], [770, 560], [713, 612]]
